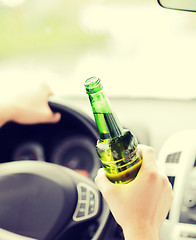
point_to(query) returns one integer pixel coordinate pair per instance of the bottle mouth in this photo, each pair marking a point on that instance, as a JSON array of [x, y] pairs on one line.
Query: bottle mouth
[[93, 85]]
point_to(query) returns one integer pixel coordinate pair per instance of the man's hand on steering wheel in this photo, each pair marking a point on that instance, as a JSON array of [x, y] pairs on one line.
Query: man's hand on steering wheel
[[29, 107]]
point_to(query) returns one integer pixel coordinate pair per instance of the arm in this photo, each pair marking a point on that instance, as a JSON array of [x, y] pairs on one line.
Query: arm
[[140, 206], [29, 107]]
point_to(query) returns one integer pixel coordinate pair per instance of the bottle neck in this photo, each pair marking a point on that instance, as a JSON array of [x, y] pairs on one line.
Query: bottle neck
[[107, 123]]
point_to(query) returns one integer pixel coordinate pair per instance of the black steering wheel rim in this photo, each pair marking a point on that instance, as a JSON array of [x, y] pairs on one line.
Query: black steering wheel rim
[[104, 217], [35, 178]]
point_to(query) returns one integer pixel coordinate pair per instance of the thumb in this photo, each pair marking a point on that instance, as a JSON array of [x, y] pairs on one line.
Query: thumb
[[55, 117], [103, 183]]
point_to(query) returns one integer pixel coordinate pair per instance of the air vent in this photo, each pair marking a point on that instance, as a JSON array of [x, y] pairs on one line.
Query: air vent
[[173, 158], [187, 235]]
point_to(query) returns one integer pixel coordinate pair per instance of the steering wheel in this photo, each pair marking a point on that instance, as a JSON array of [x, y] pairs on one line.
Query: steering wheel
[[42, 200], [46, 201]]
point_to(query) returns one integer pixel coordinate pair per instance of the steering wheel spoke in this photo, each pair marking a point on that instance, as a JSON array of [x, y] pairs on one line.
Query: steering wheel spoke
[[48, 195], [88, 203]]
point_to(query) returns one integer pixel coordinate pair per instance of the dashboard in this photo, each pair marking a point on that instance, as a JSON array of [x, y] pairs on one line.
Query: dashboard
[[178, 159], [70, 143]]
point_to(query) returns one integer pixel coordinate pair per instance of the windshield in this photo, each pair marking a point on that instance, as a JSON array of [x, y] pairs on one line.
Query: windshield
[[136, 47]]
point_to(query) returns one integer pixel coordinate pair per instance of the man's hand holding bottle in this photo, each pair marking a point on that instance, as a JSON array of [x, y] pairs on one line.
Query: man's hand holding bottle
[[140, 206]]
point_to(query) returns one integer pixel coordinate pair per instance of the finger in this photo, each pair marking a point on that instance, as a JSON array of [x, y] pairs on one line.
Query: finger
[[148, 152], [149, 156], [100, 179], [150, 161], [55, 117]]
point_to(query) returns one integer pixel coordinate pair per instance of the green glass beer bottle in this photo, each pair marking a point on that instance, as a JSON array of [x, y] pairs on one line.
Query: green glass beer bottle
[[117, 147]]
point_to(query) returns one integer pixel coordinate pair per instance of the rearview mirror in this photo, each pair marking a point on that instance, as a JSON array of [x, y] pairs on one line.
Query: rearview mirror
[[186, 5]]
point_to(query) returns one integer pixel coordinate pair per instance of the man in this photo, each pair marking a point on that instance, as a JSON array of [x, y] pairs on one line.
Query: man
[[140, 206]]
